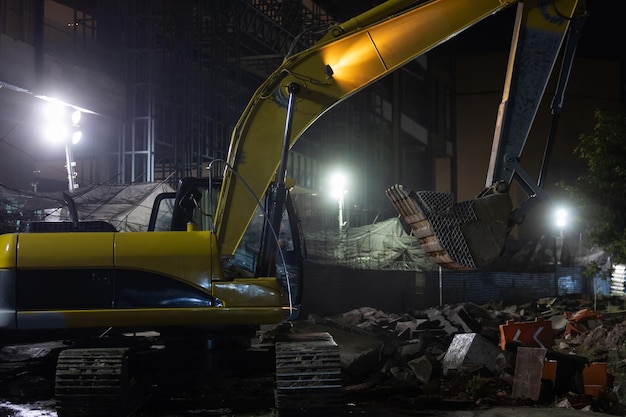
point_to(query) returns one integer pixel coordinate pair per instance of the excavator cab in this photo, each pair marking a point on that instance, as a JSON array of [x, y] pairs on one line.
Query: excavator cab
[[280, 252], [192, 203]]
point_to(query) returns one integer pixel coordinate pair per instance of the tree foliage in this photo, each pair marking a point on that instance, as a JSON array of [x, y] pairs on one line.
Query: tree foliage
[[600, 192]]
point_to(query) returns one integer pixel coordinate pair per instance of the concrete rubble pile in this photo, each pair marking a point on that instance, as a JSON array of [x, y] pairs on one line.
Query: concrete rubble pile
[[558, 352], [564, 352]]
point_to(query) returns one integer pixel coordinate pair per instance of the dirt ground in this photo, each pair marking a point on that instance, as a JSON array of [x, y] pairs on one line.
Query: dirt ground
[[261, 407], [250, 393], [242, 385]]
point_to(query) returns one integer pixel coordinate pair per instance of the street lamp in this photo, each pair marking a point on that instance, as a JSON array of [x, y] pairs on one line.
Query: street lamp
[[561, 216], [338, 191], [63, 127]]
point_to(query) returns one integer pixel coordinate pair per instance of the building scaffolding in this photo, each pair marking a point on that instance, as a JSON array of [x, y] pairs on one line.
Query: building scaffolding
[[169, 79], [190, 68]]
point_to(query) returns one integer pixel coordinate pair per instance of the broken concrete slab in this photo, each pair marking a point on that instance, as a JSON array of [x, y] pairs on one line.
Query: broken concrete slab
[[470, 348], [429, 333], [29, 351], [529, 365], [422, 368], [410, 349], [461, 318], [435, 315]]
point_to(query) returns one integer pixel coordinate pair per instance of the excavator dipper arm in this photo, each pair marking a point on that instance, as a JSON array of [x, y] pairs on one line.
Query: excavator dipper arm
[[471, 234], [348, 59]]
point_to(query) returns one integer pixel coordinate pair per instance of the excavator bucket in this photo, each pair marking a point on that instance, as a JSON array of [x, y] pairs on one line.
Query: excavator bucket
[[460, 236]]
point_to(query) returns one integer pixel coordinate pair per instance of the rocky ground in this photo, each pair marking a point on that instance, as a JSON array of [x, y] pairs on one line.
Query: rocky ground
[[405, 359], [411, 360], [392, 365]]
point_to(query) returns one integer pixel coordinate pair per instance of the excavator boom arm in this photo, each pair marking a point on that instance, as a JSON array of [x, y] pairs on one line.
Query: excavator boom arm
[[472, 234], [328, 73], [540, 29]]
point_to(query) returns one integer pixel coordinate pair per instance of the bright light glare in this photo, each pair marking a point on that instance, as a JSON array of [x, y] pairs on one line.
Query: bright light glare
[[338, 182], [76, 136], [561, 217], [54, 111], [55, 132], [60, 122], [76, 117], [355, 62]]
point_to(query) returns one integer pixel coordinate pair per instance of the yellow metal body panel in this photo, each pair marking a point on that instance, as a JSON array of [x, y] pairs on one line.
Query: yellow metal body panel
[[188, 256], [8, 251], [248, 292], [357, 59], [65, 250]]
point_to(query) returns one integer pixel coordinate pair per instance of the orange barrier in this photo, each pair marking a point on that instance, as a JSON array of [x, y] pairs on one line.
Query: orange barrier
[[536, 333], [595, 378], [578, 322]]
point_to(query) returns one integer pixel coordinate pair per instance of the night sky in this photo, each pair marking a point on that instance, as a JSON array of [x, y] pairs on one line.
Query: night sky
[[602, 36], [603, 33]]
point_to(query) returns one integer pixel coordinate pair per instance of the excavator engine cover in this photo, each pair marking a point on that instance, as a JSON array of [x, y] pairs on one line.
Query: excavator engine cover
[[462, 236]]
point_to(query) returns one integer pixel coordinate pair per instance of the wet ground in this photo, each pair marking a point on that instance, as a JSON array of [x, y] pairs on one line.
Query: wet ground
[[239, 385], [172, 408], [251, 395]]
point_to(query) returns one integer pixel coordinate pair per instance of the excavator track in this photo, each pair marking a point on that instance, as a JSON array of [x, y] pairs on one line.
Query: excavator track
[[308, 375], [92, 382]]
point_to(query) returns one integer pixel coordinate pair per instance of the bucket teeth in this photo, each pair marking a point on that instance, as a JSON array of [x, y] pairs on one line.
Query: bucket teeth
[[466, 235], [436, 221]]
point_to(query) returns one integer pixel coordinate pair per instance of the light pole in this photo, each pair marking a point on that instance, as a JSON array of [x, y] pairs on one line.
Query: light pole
[[338, 191], [70, 164], [63, 127]]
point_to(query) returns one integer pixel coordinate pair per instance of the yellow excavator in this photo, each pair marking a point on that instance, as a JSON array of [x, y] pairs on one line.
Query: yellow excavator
[[224, 256]]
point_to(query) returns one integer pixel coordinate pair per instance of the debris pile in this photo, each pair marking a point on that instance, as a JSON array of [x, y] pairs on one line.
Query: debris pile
[[25, 370], [468, 354], [564, 352]]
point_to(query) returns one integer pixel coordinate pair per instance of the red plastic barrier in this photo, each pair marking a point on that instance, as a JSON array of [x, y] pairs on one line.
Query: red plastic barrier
[[536, 333]]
